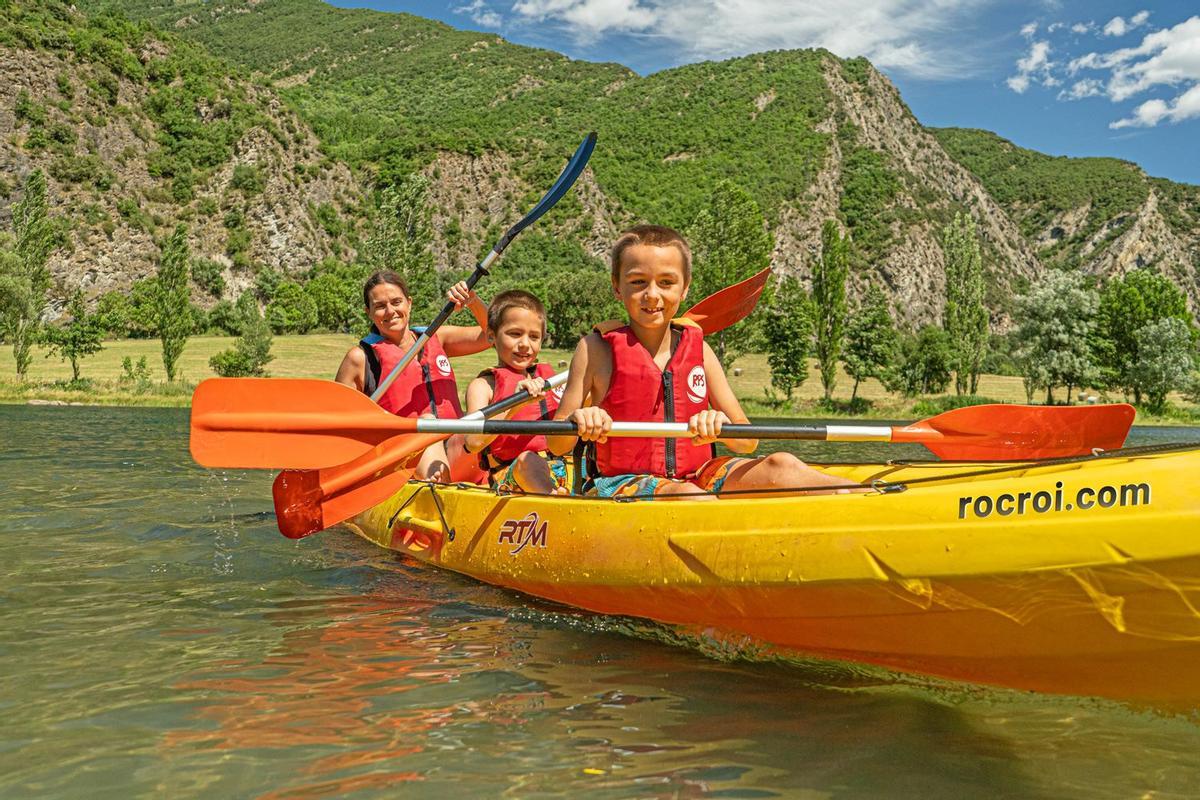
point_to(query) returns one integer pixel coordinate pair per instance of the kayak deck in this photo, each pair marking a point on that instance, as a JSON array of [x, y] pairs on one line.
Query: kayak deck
[[1078, 577]]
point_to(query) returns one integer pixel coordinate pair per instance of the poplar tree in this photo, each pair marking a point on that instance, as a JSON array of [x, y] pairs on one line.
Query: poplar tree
[[251, 352], [173, 317], [788, 332], [870, 340], [24, 276], [829, 303], [79, 337], [400, 241], [966, 317], [729, 242]]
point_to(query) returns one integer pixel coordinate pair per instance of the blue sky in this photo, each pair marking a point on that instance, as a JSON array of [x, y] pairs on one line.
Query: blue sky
[[1063, 77]]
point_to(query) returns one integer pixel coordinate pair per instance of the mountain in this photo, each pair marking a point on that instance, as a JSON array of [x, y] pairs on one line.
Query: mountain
[[809, 135], [1100, 215], [139, 131]]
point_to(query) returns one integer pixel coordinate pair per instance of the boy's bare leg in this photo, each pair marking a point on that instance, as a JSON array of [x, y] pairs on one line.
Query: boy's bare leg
[[681, 491], [532, 474], [785, 472], [433, 464]]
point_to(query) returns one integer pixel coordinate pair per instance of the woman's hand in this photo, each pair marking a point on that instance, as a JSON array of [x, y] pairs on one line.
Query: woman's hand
[[705, 427], [592, 423], [462, 296], [536, 386]]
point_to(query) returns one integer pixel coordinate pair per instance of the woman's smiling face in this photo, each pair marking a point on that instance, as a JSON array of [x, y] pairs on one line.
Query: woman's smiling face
[[388, 309]]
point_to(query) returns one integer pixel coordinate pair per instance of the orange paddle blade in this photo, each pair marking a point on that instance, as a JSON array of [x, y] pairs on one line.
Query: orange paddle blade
[[1019, 433], [311, 500], [730, 305], [262, 423]]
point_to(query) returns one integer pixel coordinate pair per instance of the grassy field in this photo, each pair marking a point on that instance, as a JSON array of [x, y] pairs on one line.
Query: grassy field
[[318, 356]]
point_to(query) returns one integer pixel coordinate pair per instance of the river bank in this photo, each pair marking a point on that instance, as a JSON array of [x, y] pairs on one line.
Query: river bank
[[105, 383]]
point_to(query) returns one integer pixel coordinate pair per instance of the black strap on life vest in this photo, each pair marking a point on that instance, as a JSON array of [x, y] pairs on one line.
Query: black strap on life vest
[[373, 374]]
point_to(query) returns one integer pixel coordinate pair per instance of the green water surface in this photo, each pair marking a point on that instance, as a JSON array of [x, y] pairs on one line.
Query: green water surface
[[158, 638]]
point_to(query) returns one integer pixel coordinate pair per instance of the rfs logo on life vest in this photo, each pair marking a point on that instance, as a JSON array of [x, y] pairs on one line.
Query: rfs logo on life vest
[[519, 533], [443, 365], [697, 385], [557, 391]]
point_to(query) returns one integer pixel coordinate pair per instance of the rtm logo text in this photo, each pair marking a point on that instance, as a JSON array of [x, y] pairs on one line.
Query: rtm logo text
[[520, 533]]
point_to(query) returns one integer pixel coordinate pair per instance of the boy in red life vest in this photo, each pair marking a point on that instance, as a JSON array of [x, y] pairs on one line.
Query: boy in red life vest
[[426, 386], [516, 324], [654, 369]]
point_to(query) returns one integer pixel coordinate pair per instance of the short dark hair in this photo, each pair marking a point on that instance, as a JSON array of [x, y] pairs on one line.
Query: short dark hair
[[513, 298], [381, 277], [655, 236]]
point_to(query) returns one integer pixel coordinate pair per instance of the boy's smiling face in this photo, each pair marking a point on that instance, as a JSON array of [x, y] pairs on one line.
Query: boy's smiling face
[[519, 338], [652, 284]]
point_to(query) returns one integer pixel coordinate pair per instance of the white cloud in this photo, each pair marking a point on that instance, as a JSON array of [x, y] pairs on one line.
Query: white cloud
[[1088, 87], [1117, 26], [1029, 30], [1036, 65], [590, 18], [1083, 27], [1168, 57], [896, 34], [479, 12], [1165, 59], [1152, 112]]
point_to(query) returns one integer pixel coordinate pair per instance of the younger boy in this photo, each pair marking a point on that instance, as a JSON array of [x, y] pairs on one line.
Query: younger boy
[[655, 370], [516, 325]]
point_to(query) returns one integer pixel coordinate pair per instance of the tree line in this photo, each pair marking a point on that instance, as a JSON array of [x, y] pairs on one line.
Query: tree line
[[1132, 335]]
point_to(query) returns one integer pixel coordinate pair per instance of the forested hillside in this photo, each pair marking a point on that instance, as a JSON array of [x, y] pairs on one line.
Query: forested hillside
[[811, 137], [1101, 215], [139, 131]]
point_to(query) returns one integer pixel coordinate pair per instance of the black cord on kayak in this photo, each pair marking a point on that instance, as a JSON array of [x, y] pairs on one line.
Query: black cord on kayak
[[887, 487]]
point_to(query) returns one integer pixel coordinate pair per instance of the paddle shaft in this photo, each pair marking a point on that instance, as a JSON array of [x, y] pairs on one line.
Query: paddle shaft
[[678, 430], [564, 182], [364, 420]]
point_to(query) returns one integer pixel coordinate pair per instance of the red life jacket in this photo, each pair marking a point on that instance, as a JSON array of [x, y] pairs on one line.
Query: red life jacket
[[504, 449], [640, 392], [425, 385]]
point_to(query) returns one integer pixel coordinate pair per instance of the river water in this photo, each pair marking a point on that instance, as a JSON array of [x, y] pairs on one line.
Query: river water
[[159, 638]]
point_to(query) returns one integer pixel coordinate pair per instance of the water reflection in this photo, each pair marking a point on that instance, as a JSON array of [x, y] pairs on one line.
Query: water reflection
[[158, 638]]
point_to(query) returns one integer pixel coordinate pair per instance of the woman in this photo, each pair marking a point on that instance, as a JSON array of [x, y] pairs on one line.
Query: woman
[[426, 385]]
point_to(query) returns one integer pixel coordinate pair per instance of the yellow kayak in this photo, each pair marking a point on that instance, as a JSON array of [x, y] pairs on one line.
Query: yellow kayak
[[1077, 576]]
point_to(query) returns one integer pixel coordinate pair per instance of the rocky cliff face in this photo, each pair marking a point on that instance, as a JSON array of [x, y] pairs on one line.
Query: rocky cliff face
[[932, 187], [88, 131]]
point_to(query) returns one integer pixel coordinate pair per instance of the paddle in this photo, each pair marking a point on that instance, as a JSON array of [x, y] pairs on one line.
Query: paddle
[[565, 181], [308, 501], [291, 423], [976, 433], [284, 423]]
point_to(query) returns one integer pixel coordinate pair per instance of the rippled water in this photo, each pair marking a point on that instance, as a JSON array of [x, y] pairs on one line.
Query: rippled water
[[159, 638]]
